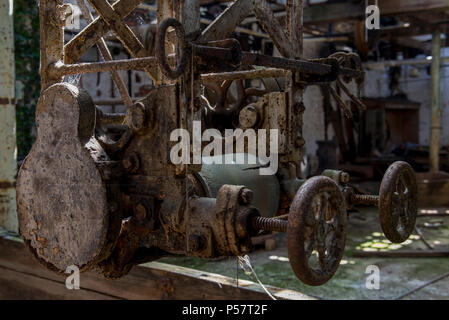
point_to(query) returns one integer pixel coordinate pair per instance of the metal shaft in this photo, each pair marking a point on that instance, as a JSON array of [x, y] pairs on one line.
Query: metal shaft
[[269, 224], [371, 200]]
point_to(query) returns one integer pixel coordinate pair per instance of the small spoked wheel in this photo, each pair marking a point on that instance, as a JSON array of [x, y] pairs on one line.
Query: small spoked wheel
[[398, 202], [316, 233]]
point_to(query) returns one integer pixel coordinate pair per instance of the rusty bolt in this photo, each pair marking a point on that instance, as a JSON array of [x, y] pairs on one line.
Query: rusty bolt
[[248, 117], [246, 196]]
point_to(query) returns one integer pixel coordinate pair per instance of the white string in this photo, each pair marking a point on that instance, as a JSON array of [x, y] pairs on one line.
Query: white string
[[246, 266]]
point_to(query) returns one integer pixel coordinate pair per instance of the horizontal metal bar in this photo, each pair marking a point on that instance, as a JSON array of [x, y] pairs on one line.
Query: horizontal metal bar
[[60, 69], [248, 74]]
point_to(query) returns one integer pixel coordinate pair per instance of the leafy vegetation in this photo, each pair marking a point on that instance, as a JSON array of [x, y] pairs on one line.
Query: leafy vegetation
[[26, 34]]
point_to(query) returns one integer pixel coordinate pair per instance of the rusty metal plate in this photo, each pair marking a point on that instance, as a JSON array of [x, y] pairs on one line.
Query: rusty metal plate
[[64, 215]]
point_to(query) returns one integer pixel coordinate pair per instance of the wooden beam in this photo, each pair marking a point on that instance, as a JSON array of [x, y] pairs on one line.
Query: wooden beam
[[21, 277], [329, 12], [391, 7]]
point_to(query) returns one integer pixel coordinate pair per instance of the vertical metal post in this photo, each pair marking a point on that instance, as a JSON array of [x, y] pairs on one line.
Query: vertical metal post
[[435, 111], [8, 154], [296, 109]]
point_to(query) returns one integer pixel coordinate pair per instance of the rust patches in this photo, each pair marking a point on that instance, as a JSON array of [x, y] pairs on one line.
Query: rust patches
[[6, 101], [42, 241], [7, 184]]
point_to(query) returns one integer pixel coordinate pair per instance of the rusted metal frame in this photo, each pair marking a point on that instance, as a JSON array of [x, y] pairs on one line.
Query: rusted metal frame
[[255, 59], [340, 103], [90, 35], [104, 66], [101, 44], [122, 31], [248, 74], [189, 13], [226, 23], [295, 107], [52, 38], [165, 9], [272, 26], [295, 29]]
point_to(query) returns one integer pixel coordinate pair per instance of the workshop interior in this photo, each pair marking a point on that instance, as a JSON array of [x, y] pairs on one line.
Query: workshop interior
[[220, 150]]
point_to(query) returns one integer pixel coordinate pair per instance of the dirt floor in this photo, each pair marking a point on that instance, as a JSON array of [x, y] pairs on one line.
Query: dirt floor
[[397, 275]]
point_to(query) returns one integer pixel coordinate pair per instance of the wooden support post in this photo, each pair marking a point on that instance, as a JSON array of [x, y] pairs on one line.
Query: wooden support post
[[435, 111], [8, 163]]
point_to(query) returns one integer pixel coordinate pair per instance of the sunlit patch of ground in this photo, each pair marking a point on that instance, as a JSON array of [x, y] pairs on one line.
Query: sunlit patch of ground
[[397, 275]]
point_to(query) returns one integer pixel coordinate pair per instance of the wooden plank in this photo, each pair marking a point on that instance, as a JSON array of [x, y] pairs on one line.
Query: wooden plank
[[17, 285], [149, 281], [226, 23], [390, 7]]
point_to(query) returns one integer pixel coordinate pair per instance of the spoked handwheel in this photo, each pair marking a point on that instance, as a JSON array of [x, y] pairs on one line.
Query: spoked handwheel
[[316, 233], [398, 202]]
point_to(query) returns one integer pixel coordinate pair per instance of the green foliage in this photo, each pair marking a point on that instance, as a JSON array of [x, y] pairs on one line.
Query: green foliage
[[26, 34]]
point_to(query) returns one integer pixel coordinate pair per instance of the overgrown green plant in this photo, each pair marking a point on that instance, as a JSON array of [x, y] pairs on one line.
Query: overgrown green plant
[[26, 34]]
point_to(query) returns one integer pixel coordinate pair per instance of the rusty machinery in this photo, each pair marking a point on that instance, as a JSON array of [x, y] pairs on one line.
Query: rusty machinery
[[100, 201]]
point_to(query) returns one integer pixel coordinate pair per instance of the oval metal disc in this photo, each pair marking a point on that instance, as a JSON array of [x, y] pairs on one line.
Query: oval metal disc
[[63, 211]]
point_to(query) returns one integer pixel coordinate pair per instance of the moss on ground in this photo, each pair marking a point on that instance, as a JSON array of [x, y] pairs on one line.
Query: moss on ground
[[398, 275]]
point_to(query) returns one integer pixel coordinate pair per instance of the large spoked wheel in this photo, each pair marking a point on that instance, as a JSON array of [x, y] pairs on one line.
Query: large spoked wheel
[[398, 202], [316, 233]]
